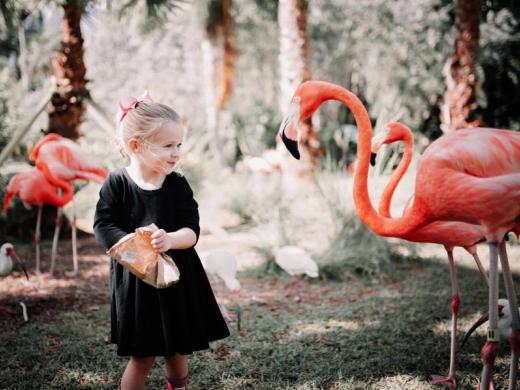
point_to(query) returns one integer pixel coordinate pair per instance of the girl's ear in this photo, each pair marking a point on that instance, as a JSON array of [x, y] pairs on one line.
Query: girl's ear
[[133, 145]]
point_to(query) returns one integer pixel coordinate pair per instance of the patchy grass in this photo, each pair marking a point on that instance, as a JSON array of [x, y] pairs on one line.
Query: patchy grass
[[322, 335]]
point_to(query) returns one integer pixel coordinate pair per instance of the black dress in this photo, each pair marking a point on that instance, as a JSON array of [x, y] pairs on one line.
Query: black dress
[[146, 321]]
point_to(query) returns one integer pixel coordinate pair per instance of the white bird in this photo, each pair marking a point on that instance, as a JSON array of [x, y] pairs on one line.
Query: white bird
[[7, 254], [224, 265], [295, 261], [504, 321]]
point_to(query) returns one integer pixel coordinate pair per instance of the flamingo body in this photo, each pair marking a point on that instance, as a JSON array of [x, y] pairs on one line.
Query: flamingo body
[[62, 159], [35, 190], [473, 175]]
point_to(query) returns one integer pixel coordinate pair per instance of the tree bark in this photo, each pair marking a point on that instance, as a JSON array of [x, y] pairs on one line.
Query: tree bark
[[66, 107], [228, 61], [218, 51], [295, 67], [459, 106]]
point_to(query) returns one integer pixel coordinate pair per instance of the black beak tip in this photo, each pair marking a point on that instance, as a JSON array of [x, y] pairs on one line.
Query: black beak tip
[[292, 146], [373, 159]]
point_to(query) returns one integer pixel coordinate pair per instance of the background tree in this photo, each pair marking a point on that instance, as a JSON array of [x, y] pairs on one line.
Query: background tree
[[218, 49], [66, 107], [460, 102], [295, 66]]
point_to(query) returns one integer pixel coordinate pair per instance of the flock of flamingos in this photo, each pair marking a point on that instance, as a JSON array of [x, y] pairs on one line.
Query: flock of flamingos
[[467, 191]]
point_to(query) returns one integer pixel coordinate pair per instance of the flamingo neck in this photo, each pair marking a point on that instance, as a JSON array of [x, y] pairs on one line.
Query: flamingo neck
[[51, 178], [35, 151], [63, 199], [388, 193], [383, 226]]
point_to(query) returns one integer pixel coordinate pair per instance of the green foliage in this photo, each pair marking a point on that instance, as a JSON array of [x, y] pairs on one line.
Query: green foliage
[[356, 251], [152, 14], [500, 43], [256, 130]]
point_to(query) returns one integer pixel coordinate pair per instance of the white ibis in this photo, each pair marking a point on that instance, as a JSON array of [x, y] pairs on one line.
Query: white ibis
[[504, 321], [295, 261], [224, 265], [7, 254]]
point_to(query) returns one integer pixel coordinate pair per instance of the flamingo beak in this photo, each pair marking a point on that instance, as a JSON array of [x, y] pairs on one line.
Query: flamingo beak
[[478, 323], [373, 158], [292, 145], [15, 256]]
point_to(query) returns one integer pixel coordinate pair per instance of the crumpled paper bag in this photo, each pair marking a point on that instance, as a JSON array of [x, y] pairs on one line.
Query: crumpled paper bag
[[135, 253]]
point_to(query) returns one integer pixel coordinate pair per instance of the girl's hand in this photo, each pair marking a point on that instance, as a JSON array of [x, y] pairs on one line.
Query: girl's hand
[[161, 241]]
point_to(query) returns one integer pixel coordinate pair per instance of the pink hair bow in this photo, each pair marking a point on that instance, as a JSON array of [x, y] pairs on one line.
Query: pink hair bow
[[128, 103]]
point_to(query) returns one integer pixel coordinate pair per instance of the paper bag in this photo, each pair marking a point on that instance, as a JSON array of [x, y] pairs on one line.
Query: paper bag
[[135, 252]]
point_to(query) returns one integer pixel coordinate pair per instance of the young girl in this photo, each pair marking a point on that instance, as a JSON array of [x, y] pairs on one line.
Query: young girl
[[147, 322]]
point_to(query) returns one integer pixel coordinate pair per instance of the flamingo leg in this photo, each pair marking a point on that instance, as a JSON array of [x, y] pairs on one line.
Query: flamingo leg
[[481, 268], [37, 238], [515, 317], [451, 380], [59, 221], [75, 265], [490, 350]]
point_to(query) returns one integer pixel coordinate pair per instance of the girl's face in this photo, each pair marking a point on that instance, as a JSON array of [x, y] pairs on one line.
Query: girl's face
[[162, 152]]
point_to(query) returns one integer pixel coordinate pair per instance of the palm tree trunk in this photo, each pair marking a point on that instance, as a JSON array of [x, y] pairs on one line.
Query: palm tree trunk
[[66, 108], [228, 62], [218, 52], [460, 103], [295, 67]]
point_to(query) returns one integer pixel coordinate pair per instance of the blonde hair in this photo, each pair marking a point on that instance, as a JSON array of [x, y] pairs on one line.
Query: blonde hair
[[143, 122]]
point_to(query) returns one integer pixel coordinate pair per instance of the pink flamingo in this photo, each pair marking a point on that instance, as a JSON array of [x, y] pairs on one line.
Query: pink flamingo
[[447, 233], [471, 175], [35, 190], [62, 161]]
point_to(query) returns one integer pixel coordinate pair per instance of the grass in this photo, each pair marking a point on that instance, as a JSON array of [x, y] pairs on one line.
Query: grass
[[325, 335]]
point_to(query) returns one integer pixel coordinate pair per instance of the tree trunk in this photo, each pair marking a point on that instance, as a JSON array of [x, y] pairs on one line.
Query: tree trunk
[[228, 61], [218, 51], [295, 68], [66, 108], [460, 104]]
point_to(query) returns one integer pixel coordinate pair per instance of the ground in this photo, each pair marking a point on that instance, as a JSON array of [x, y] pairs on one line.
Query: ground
[[391, 332], [388, 330]]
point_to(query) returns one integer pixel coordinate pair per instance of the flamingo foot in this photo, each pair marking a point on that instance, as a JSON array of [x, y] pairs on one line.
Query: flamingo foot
[[449, 381], [72, 274]]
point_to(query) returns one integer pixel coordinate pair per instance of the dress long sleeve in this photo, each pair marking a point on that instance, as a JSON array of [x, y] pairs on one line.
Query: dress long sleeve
[[107, 220], [188, 209]]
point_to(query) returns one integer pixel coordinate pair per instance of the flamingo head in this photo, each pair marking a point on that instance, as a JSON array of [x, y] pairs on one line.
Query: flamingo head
[[7, 250], [393, 132], [306, 100]]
